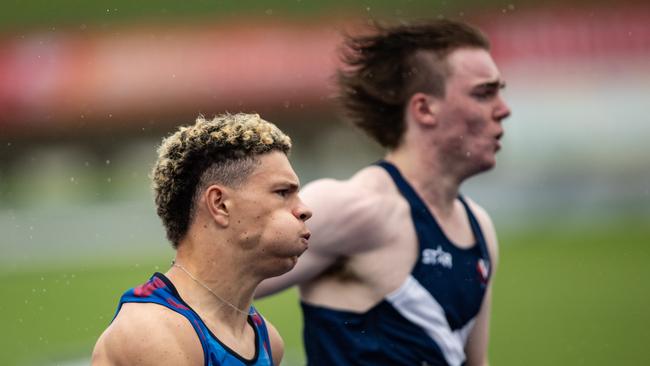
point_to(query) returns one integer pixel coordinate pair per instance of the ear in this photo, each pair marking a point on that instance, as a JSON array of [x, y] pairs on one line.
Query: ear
[[422, 108], [217, 202]]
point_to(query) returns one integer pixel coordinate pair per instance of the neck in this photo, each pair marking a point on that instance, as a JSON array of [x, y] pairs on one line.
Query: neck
[[216, 286], [425, 172]]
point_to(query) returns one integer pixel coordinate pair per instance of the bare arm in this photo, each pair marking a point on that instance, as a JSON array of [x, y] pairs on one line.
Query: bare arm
[[477, 343], [147, 334], [340, 227]]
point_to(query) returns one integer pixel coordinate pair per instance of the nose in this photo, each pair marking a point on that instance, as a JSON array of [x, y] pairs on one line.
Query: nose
[[502, 110], [302, 212]]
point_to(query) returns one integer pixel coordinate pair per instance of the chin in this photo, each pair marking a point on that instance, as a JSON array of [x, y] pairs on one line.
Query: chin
[[484, 167], [283, 267], [489, 162]]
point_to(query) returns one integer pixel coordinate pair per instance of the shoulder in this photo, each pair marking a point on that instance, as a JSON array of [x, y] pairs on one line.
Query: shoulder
[[487, 226], [148, 334], [366, 183], [370, 188], [354, 209]]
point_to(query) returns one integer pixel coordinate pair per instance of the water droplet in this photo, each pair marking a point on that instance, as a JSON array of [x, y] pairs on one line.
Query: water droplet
[[108, 162]]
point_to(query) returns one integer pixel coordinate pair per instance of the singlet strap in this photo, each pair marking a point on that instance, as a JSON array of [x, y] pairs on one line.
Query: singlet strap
[[262, 328], [403, 186], [476, 229]]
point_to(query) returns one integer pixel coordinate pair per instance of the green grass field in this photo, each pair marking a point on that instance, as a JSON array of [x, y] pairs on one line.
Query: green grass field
[[563, 297]]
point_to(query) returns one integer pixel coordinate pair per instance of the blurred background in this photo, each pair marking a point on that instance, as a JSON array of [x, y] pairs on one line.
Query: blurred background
[[88, 90]]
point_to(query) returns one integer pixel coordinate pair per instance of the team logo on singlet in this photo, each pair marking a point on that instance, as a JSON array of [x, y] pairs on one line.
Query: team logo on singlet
[[483, 269], [437, 257]]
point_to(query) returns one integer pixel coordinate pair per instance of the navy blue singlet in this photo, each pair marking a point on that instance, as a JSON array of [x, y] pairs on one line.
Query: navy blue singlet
[[160, 290], [426, 321]]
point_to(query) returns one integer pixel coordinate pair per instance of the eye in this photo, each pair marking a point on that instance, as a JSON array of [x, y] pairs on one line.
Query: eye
[[487, 91], [484, 94], [282, 192]]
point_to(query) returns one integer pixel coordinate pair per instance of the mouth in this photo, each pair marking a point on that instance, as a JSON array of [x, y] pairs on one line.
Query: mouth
[[304, 238], [497, 141]]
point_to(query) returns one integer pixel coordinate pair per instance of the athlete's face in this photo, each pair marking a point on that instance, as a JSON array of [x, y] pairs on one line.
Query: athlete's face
[[269, 217], [471, 111]]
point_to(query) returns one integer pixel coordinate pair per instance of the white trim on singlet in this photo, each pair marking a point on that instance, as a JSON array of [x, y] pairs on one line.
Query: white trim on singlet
[[417, 305]]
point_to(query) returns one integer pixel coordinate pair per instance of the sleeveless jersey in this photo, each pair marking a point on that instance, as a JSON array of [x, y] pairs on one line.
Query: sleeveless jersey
[[427, 320], [160, 290]]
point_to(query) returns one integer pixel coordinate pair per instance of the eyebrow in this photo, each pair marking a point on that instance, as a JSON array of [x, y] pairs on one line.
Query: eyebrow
[[497, 84], [288, 185]]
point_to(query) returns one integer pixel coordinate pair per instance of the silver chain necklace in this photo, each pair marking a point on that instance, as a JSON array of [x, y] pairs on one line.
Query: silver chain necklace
[[174, 264]]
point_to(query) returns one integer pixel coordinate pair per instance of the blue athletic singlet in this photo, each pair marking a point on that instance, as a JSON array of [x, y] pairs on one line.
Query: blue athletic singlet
[[426, 321], [160, 290]]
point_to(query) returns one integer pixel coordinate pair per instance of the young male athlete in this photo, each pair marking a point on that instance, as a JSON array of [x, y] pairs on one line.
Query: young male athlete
[[228, 199], [400, 263]]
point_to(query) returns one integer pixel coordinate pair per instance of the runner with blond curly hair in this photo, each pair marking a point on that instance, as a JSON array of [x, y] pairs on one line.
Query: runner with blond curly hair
[[228, 199]]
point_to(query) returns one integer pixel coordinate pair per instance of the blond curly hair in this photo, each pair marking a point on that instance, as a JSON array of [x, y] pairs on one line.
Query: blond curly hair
[[222, 150]]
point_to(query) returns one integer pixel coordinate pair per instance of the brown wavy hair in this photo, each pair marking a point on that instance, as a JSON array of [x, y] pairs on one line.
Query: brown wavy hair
[[384, 69]]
